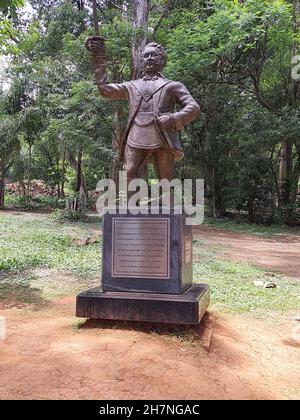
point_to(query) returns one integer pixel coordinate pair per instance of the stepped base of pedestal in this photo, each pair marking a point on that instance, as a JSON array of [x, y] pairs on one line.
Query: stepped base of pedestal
[[187, 308]]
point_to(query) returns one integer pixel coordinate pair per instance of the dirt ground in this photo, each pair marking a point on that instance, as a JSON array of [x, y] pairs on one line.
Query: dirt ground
[[280, 253], [46, 357], [49, 354]]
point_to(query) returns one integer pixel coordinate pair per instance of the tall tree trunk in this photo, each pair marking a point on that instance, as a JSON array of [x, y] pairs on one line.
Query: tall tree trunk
[[285, 172], [2, 174], [81, 187], [251, 212], [95, 18], [140, 12], [29, 169], [116, 141], [83, 194], [78, 171], [296, 27], [63, 173], [140, 18]]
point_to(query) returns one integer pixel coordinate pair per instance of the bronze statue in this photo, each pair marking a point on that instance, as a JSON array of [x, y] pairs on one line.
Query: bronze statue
[[153, 125]]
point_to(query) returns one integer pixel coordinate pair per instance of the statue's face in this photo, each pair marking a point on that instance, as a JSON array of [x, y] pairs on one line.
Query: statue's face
[[151, 60]]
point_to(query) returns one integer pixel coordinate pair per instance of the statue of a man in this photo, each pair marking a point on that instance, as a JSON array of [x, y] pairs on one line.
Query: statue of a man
[[153, 125]]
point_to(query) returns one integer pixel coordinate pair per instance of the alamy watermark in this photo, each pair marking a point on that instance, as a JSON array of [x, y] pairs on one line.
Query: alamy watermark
[[160, 197], [2, 328], [296, 67]]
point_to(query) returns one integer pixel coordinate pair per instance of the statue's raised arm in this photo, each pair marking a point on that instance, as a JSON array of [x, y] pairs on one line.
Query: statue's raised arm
[[96, 46]]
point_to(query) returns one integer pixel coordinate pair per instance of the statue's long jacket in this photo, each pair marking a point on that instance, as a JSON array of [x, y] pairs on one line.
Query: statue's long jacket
[[149, 99]]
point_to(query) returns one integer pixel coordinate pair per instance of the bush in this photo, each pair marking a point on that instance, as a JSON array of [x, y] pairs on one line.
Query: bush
[[67, 215], [287, 214], [39, 202]]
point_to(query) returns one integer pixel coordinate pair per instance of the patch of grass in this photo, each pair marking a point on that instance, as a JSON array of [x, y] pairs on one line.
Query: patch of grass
[[231, 284], [39, 286], [78, 324], [37, 241], [38, 260], [243, 227]]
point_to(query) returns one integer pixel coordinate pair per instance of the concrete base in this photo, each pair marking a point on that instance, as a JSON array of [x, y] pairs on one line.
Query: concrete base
[[187, 308]]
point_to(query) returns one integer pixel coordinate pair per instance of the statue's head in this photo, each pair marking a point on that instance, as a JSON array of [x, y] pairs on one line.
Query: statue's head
[[154, 58]]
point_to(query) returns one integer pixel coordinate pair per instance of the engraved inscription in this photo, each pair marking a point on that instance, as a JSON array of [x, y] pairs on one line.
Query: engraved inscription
[[141, 248]]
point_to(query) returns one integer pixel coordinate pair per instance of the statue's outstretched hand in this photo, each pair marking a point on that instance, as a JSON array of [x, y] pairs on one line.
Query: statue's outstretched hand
[[95, 44]]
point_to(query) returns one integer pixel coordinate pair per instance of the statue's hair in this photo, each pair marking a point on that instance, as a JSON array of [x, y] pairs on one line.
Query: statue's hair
[[161, 50]]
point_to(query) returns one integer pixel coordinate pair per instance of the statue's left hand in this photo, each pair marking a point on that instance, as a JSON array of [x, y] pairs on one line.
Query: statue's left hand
[[165, 121]]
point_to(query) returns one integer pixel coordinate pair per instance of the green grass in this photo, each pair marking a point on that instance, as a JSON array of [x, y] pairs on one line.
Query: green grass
[[38, 241], [30, 243], [38, 261], [254, 229], [231, 284]]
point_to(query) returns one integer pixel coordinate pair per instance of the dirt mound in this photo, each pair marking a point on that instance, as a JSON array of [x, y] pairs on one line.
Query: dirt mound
[[37, 188]]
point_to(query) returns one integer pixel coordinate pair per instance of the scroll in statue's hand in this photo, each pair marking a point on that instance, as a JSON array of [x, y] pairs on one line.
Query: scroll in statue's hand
[[95, 44]]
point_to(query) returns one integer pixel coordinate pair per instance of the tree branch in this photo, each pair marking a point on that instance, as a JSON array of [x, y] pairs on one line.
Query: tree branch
[[118, 7], [257, 92], [162, 17], [12, 36]]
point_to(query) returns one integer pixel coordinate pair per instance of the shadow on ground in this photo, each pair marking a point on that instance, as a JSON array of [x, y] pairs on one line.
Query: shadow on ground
[[192, 333], [15, 294]]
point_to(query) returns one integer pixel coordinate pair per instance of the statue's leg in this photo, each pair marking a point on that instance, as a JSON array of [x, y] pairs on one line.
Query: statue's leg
[[133, 160], [164, 163]]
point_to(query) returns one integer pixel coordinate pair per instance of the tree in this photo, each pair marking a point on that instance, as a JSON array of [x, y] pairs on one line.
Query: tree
[[8, 20], [140, 12], [10, 105], [31, 125], [225, 51], [9, 144]]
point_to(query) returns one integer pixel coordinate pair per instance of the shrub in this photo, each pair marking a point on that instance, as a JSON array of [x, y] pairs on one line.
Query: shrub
[[67, 215], [39, 202]]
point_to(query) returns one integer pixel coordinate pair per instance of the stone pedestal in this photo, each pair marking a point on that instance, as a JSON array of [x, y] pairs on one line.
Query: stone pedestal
[[187, 308], [146, 272]]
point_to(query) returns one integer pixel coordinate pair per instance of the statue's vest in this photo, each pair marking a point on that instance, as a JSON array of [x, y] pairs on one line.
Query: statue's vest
[[142, 130]]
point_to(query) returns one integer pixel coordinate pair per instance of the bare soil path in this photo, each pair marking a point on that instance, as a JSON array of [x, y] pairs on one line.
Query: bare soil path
[[280, 253]]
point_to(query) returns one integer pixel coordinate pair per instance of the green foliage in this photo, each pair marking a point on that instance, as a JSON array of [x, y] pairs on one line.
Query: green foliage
[[235, 58], [9, 142], [7, 6], [66, 215], [8, 18], [27, 202]]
